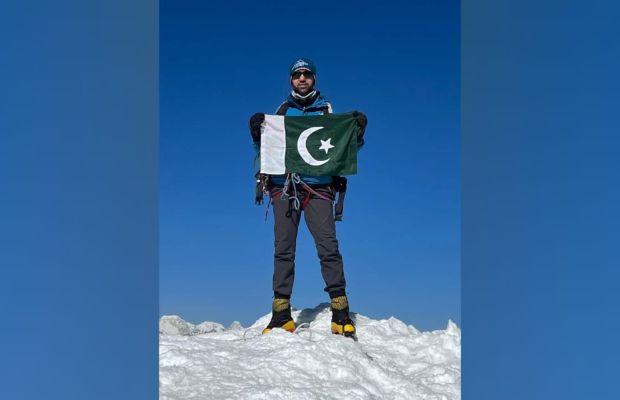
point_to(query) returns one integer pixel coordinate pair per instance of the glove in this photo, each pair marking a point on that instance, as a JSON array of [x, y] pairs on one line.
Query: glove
[[362, 121], [255, 124]]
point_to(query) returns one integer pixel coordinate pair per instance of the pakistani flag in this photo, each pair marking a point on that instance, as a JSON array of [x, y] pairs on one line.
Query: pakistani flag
[[311, 145]]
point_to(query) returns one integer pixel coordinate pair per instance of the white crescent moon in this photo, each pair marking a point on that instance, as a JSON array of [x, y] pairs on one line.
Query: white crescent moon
[[303, 150]]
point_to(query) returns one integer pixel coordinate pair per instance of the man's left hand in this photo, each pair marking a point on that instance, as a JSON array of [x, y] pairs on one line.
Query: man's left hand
[[361, 119]]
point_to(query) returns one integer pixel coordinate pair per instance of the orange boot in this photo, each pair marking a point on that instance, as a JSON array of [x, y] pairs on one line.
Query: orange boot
[[341, 322], [280, 316]]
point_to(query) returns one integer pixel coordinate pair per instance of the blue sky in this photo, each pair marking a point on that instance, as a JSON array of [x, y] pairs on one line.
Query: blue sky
[[400, 240]]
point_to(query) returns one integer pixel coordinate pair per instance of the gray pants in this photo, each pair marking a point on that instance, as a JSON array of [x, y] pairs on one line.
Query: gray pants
[[319, 217]]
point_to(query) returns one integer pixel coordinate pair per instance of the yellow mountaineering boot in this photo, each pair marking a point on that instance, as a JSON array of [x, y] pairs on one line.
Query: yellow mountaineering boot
[[341, 322], [280, 316]]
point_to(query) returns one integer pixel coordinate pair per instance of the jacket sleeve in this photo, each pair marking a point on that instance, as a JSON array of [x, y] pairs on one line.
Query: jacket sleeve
[[330, 109], [256, 147], [255, 131]]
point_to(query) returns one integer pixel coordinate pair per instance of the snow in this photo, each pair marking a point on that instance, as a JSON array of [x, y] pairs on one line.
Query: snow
[[175, 325], [390, 360]]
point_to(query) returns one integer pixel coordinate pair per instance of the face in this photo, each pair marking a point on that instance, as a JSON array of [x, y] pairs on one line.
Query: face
[[302, 81]]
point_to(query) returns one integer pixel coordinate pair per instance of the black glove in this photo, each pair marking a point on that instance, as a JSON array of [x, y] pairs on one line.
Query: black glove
[[361, 119], [255, 124]]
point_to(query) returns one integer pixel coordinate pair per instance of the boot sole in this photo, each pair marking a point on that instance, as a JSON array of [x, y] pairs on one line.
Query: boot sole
[[289, 327]]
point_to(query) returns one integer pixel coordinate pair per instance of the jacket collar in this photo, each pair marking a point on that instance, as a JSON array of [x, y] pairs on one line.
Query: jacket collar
[[319, 102]]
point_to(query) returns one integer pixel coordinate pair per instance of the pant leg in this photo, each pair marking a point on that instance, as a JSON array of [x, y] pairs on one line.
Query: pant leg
[[319, 216], [285, 241]]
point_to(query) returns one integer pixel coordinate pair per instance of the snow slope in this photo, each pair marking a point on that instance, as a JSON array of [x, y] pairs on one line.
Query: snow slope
[[390, 360]]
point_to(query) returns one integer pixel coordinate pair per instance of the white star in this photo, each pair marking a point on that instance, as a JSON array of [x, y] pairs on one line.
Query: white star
[[326, 145]]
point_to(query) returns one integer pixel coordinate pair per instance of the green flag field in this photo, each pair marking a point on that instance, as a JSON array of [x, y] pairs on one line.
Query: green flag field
[[318, 145]]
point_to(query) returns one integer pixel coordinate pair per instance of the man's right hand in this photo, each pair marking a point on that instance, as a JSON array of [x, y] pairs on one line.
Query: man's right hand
[[255, 124]]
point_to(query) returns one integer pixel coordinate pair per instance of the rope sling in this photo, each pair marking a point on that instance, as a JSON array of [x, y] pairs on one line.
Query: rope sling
[[291, 183]]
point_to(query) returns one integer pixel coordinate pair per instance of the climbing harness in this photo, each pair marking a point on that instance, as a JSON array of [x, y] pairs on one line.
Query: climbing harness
[[294, 186]]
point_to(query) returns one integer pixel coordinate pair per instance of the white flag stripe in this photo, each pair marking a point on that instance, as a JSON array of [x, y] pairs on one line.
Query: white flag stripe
[[273, 145]]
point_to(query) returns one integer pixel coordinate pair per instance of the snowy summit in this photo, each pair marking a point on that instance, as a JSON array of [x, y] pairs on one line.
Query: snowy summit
[[390, 360]]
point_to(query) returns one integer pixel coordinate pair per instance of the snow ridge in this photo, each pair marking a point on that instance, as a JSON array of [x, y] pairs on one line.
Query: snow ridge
[[175, 325], [391, 360]]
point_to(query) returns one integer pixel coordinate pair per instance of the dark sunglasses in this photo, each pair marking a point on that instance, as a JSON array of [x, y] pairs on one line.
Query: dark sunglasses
[[298, 74]]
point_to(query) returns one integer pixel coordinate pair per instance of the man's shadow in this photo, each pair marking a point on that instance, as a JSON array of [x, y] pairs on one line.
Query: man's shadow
[[308, 315]]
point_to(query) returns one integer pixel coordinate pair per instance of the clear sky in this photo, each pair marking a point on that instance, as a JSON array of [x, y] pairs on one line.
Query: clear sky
[[400, 238]]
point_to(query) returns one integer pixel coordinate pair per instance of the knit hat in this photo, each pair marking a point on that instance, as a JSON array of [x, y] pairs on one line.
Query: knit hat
[[302, 63]]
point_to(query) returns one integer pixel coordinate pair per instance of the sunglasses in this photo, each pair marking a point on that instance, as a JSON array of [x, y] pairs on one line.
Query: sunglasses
[[298, 74]]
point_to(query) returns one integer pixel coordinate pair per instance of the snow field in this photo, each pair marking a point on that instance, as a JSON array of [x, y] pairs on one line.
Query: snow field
[[390, 360]]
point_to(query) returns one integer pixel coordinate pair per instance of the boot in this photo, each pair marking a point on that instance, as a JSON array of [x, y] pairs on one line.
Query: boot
[[280, 316], [341, 322]]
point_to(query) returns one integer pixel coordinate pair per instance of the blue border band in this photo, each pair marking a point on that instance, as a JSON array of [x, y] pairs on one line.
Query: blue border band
[[79, 199], [540, 200]]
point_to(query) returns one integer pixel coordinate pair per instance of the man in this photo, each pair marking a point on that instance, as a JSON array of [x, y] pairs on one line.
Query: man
[[313, 195]]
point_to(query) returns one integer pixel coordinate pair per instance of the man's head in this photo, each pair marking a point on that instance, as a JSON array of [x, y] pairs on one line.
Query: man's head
[[303, 76]]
